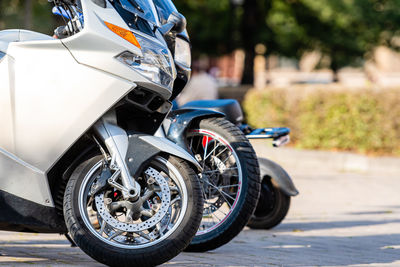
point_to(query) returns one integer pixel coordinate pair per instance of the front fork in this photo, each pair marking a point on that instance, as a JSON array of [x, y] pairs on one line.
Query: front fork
[[117, 142]]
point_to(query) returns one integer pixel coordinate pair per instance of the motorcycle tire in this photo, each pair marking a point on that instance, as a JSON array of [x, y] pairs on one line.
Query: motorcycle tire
[[125, 249], [234, 187], [273, 204]]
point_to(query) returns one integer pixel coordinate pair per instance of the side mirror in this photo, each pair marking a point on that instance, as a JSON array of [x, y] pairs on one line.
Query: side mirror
[[176, 24]]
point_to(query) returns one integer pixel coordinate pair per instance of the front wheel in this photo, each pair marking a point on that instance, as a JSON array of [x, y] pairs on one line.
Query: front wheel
[[145, 232]]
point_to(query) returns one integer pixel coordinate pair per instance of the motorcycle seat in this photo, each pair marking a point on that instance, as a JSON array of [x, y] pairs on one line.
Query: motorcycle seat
[[230, 107], [9, 36]]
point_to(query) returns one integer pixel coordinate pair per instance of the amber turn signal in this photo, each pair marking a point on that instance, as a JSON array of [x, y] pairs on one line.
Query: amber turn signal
[[123, 33]]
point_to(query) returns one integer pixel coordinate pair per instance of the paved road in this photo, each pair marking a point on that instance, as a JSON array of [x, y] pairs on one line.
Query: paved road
[[340, 219]]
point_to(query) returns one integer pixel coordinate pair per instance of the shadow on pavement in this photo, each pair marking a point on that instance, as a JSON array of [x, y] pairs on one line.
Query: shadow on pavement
[[42, 253], [35, 242], [335, 251], [265, 248], [378, 212], [308, 226]]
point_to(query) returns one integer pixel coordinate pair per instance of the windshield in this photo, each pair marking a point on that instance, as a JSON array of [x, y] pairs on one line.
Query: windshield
[[138, 14], [145, 10], [142, 8], [164, 9]]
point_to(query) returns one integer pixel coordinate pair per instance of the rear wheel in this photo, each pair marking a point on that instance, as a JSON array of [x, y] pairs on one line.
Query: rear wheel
[[146, 232], [230, 181], [272, 207]]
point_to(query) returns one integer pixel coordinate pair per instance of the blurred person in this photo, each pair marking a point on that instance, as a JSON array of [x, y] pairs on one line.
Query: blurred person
[[202, 86]]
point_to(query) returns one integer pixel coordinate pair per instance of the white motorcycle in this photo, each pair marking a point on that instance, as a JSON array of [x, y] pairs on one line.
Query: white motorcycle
[[77, 147]]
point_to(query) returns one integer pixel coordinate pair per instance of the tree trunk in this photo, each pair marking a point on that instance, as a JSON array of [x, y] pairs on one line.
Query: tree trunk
[[231, 28], [253, 27], [248, 71], [334, 68], [1, 12], [28, 14], [249, 38]]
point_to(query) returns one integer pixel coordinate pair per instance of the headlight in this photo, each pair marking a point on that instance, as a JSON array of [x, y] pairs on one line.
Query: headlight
[[183, 55], [155, 64]]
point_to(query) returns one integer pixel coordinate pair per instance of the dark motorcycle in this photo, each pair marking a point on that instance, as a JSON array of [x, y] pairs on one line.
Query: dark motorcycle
[[277, 187]]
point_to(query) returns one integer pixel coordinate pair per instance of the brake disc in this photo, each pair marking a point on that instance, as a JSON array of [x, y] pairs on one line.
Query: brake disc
[[165, 196]]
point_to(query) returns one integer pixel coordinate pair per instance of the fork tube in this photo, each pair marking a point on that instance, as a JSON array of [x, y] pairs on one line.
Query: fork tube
[[116, 140]]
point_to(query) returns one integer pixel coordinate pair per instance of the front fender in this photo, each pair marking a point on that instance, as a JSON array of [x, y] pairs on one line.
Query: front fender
[[179, 121], [143, 148], [278, 175]]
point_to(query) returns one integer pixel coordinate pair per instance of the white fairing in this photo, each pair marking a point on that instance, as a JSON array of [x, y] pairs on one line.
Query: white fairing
[[52, 92], [96, 38]]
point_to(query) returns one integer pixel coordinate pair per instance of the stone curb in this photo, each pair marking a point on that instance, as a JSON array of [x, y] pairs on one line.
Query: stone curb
[[325, 160]]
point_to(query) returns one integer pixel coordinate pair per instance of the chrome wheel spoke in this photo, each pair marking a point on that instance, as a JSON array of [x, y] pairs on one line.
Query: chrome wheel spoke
[[175, 200], [145, 236], [103, 226], [215, 215], [221, 152], [228, 186], [213, 151], [218, 171], [117, 233], [228, 157], [219, 190]]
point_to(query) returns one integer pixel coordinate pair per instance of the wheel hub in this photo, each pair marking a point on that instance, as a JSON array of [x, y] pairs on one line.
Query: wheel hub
[[135, 210]]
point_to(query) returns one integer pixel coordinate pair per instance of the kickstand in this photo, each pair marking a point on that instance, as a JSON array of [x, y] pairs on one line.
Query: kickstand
[[73, 245]]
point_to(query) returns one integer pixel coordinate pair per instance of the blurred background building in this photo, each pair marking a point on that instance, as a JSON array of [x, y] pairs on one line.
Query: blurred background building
[[283, 42]]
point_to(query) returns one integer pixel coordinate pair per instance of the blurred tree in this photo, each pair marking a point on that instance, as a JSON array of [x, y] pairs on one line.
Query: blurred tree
[[344, 30], [29, 14], [211, 24], [1, 13], [219, 27]]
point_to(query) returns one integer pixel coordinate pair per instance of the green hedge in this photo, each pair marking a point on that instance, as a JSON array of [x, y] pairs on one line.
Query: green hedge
[[365, 121]]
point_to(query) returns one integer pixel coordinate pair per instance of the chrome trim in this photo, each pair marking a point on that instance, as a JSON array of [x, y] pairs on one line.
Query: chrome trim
[[267, 133], [281, 141]]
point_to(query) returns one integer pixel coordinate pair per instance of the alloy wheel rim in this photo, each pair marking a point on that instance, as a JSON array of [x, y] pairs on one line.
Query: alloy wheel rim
[[133, 237]]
